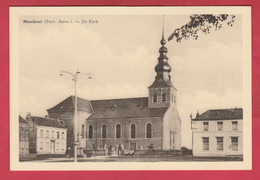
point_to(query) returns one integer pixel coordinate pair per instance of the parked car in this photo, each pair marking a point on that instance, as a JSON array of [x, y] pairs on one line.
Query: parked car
[[128, 152]]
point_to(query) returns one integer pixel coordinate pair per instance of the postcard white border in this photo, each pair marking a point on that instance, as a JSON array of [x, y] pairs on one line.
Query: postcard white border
[[15, 12]]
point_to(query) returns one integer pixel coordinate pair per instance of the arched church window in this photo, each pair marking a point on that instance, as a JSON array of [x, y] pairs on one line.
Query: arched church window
[[163, 97], [154, 98], [149, 130], [133, 131], [104, 131], [83, 130], [90, 132], [118, 131]]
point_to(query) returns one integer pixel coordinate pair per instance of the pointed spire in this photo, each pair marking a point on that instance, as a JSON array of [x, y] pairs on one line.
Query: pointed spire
[[162, 68], [163, 42], [163, 64]]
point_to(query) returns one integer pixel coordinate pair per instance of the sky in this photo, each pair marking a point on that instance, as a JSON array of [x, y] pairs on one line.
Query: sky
[[120, 52]]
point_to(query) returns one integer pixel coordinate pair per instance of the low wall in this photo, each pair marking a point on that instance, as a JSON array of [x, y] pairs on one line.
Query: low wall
[[97, 152], [27, 156], [157, 152]]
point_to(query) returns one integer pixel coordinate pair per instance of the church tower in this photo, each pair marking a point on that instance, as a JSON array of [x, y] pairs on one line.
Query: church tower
[[162, 93]]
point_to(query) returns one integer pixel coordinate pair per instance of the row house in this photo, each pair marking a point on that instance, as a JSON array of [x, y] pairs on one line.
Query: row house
[[23, 137], [46, 135]]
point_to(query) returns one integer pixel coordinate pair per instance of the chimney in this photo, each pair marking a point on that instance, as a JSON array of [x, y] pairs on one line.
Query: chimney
[[28, 114], [197, 115]]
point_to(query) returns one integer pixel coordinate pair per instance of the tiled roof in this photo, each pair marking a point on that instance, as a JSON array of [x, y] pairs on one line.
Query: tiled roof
[[68, 104], [159, 82], [125, 108], [221, 114], [41, 121], [112, 108], [21, 120]]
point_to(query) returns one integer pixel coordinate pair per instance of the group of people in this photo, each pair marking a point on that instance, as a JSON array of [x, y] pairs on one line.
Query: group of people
[[110, 150]]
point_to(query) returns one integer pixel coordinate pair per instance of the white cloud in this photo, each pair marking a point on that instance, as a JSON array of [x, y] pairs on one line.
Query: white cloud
[[216, 62]]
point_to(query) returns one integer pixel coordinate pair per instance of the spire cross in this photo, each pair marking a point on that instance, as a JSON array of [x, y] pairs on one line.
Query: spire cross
[[163, 27]]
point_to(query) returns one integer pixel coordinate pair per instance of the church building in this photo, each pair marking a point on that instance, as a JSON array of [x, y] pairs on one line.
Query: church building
[[142, 123]]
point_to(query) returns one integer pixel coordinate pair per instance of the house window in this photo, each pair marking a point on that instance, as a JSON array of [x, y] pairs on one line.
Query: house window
[[62, 135], [163, 97], [82, 130], [90, 132], [234, 126], [220, 126], [47, 133], [174, 99], [104, 131], [133, 131], [220, 143], [58, 146], [205, 126], [26, 134], [155, 98], [41, 146], [47, 146], [41, 133], [149, 130], [205, 141], [234, 143], [118, 131], [58, 135], [22, 134]]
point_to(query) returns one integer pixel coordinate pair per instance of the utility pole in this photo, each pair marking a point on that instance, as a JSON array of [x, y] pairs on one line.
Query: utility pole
[[75, 79]]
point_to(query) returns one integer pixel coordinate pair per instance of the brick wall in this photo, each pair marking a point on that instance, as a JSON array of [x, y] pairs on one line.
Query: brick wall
[[68, 118], [141, 141]]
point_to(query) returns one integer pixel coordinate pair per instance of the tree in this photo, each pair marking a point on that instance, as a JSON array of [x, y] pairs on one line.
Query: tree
[[201, 23]]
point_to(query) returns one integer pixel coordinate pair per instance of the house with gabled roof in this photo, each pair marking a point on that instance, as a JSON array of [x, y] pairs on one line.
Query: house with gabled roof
[[144, 123], [218, 132], [46, 135]]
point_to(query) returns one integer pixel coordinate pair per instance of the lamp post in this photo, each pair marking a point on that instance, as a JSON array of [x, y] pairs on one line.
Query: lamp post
[[75, 79]]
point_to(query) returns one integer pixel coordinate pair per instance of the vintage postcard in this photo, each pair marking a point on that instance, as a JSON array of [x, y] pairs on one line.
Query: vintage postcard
[[130, 88]]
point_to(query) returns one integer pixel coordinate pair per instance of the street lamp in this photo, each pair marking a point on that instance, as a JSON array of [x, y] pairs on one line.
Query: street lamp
[[75, 79]]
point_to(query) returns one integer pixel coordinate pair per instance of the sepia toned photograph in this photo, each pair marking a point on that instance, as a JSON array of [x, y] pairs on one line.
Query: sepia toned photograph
[[130, 88]]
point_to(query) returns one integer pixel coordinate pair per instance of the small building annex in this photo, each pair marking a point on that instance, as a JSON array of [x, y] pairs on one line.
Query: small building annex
[[218, 132]]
